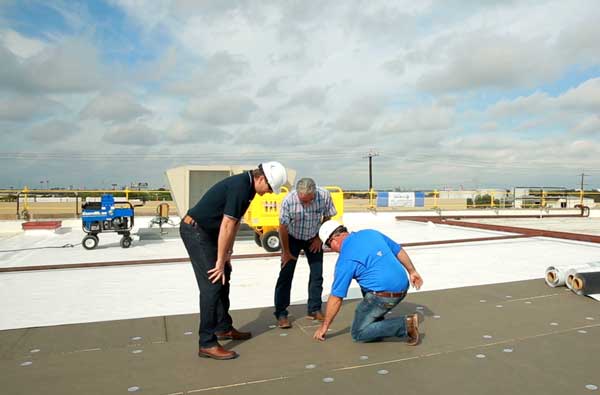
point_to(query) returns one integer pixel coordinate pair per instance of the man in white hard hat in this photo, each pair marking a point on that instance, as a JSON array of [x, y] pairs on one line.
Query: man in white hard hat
[[302, 212], [208, 232], [380, 266]]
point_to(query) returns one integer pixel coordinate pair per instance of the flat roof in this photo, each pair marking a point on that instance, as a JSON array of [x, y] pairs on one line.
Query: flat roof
[[517, 337]]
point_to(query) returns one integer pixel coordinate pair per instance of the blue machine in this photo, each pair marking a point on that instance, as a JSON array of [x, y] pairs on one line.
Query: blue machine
[[106, 216]]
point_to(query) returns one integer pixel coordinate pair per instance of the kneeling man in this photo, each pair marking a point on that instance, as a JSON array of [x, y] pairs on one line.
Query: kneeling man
[[380, 267]]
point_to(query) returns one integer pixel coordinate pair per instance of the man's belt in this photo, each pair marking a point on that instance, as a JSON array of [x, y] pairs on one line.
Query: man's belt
[[385, 294]]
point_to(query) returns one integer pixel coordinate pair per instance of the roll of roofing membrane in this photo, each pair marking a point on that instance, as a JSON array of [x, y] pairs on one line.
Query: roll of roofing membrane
[[570, 273], [586, 282], [556, 275]]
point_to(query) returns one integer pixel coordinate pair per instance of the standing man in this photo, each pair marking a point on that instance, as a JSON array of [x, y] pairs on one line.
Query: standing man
[[380, 267], [208, 232], [302, 212]]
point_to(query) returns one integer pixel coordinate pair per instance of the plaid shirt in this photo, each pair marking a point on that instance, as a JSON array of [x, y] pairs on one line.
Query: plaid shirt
[[303, 222]]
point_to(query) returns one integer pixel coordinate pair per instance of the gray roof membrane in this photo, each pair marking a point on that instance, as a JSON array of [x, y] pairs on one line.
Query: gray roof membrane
[[542, 340]]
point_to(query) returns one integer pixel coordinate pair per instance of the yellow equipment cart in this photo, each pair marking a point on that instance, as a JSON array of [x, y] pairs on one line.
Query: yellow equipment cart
[[263, 216]]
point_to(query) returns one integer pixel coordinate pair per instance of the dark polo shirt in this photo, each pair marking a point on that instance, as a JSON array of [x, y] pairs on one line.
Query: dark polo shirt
[[230, 197]]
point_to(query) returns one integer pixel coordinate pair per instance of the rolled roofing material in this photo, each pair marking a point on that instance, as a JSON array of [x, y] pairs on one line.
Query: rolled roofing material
[[571, 272], [556, 275], [587, 283]]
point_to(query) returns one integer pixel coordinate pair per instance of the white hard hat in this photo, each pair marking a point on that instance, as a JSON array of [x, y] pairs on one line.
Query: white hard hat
[[275, 174], [327, 229]]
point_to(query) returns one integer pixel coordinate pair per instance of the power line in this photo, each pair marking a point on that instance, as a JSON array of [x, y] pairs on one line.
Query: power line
[[413, 158]]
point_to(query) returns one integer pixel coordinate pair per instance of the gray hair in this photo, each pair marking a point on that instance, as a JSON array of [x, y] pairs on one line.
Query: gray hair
[[306, 185]]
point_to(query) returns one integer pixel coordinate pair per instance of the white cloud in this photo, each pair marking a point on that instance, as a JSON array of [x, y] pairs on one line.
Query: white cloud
[[504, 45], [489, 126], [72, 66], [532, 104], [271, 88], [148, 14], [311, 81], [218, 70], [312, 97], [221, 110], [53, 131], [588, 126], [133, 134], [419, 119], [360, 115], [585, 97], [21, 108], [192, 132], [69, 66], [22, 46], [113, 107], [575, 110], [279, 137], [472, 62]]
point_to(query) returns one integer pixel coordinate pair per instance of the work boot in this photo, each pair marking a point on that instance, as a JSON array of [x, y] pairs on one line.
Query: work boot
[[316, 316], [283, 323], [412, 329], [233, 334], [217, 352]]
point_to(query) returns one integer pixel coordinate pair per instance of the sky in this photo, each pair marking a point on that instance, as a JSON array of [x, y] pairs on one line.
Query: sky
[[443, 93]]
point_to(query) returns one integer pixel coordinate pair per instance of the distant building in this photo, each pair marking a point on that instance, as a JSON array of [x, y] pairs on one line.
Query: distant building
[[497, 194], [550, 197]]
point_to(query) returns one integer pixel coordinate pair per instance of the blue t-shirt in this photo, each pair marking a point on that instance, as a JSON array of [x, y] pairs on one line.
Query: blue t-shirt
[[369, 257]]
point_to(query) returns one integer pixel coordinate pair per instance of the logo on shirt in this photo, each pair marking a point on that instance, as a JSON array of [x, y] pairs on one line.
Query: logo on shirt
[[379, 253]]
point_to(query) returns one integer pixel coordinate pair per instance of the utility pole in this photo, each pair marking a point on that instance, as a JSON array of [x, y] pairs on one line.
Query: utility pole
[[581, 190], [370, 155]]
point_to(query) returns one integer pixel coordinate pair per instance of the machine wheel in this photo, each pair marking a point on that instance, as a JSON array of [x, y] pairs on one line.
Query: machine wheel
[[271, 242], [90, 242], [126, 241], [257, 239]]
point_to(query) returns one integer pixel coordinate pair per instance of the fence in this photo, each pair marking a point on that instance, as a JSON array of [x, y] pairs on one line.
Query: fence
[[26, 203]]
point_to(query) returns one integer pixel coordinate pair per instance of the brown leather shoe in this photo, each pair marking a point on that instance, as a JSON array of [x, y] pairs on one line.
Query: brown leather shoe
[[412, 329], [284, 323], [316, 315], [217, 352], [233, 334]]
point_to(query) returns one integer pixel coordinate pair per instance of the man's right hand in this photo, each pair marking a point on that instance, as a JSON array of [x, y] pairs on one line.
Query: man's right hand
[[217, 272], [286, 256], [320, 333]]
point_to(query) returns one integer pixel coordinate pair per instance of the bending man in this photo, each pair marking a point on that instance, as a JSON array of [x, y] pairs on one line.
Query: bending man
[[302, 212], [208, 232]]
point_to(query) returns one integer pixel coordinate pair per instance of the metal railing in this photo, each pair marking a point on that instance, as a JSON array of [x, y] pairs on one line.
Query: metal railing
[[355, 200], [23, 210]]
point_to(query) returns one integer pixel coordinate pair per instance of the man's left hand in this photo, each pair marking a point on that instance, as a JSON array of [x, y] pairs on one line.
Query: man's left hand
[[416, 280], [315, 245]]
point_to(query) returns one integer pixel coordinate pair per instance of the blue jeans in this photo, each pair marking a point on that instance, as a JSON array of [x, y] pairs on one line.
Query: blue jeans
[[214, 298], [369, 319], [286, 274]]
